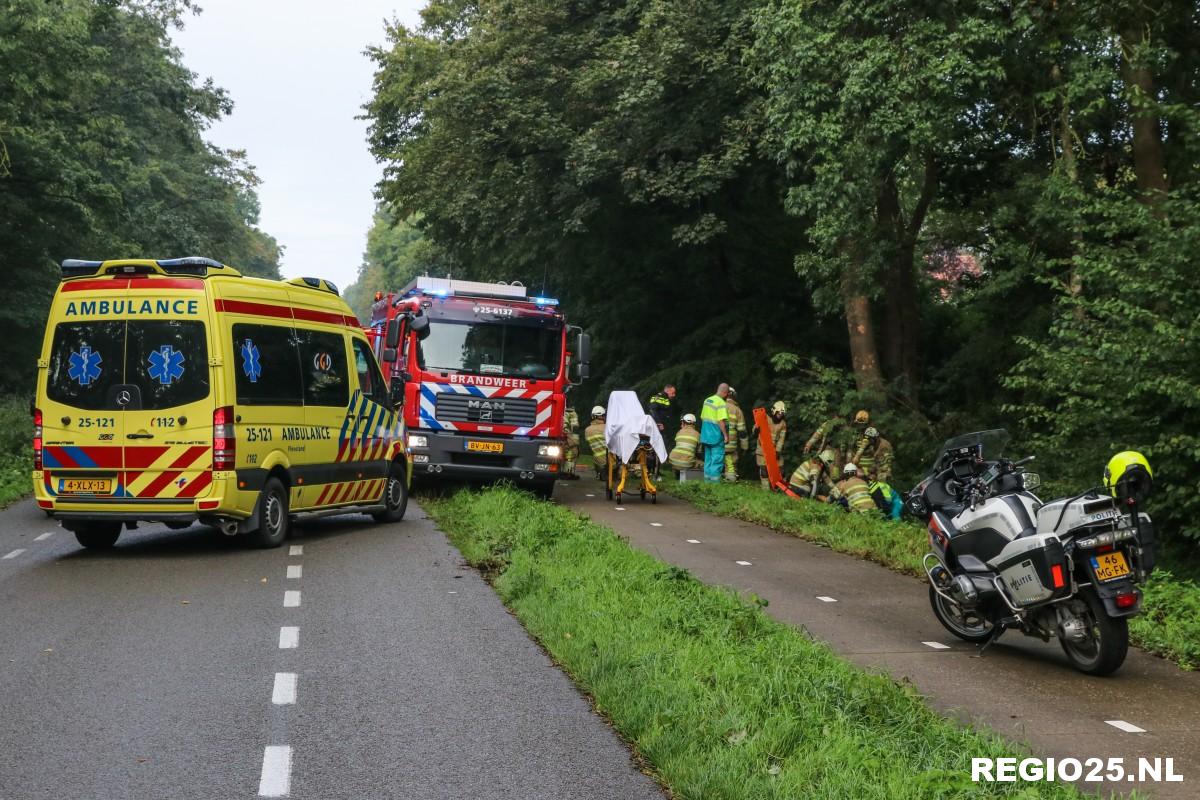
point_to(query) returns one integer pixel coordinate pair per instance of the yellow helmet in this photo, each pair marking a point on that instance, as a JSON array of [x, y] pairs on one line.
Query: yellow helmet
[[862, 417], [827, 457], [780, 407], [1128, 476]]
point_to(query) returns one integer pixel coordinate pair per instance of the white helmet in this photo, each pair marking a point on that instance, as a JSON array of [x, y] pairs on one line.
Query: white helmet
[[597, 411], [850, 469], [689, 418]]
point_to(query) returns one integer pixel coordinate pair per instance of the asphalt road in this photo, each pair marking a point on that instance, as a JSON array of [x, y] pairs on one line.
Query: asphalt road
[[1021, 687], [358, 661]]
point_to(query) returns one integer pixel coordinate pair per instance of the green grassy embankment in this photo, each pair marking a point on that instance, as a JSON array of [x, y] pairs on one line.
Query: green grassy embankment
[[16, 433], [721, 700], [1169, 627]]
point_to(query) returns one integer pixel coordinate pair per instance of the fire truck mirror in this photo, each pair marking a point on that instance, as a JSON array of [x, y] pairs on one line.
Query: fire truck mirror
[[584, 347], [396, 393], [389, 355], [393, 338], [583, 372]]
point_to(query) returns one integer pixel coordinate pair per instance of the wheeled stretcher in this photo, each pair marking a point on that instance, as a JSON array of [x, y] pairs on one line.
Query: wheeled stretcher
[[631, 436]]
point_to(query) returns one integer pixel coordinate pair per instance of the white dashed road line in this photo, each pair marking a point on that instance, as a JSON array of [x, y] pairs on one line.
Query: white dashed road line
[[743, 563], [291, 598], [284, 693], [826, 599], [693, 541], [655, 524], [43, 537], [289, 637], [936, 645], [620, 508], [589, 495], [276, 780], [1122, 725], [13, 554], [296, 550], [295, 570]]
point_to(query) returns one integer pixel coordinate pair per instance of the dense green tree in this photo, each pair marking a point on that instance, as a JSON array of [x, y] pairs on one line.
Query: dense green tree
[[101, 130]]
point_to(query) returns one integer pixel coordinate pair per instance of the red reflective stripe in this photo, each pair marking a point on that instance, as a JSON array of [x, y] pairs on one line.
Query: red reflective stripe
[[198, 484], [254, 309], [142, 457], [108, 457], [188, 456], [283, 312], [129, 477], [338, 489], [59, 454], [329, 318], [150, 282], [159, 483], [321, 496]]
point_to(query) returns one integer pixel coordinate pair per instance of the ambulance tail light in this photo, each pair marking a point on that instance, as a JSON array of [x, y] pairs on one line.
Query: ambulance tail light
[[224, 439], [37, 439]]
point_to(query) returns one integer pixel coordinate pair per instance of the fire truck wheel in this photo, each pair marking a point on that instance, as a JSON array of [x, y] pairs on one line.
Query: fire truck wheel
[[544, 489], [395, 496]]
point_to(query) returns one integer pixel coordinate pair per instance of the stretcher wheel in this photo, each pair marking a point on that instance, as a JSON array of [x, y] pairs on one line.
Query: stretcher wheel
[[618, 498], [608, 493], [643, 494], [654, 499]]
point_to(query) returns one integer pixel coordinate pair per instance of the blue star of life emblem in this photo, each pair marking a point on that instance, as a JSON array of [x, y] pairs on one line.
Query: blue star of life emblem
[[85, 366], [166, 365], [251, 367]]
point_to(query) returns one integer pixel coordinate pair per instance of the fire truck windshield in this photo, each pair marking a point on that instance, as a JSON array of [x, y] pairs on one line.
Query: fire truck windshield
[[514, 348]]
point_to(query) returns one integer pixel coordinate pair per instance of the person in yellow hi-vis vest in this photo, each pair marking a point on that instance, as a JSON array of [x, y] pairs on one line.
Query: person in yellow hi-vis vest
[[593, 434], [687, 443], [737, 439], [855, 492], [714, 432], [571, 431]]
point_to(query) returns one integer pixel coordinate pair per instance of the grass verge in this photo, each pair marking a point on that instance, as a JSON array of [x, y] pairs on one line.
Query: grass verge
[[1170, 626], [721, 700], [16, 429]]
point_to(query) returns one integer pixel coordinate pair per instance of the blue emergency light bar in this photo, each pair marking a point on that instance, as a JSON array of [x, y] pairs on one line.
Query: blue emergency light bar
[[545, 301]]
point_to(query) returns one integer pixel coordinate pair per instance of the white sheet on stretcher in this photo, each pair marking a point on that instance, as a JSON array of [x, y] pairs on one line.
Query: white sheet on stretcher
[[626, 422]]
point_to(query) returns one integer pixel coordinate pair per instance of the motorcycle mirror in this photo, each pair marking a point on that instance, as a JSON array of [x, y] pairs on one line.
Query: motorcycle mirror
[[1030, 481]]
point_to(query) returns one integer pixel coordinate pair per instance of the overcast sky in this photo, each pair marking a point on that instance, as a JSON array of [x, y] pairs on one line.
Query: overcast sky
[[298, 77]]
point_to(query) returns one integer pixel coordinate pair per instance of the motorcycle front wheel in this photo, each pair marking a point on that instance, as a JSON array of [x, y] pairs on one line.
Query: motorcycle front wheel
[[1104, 649], [966, 625]]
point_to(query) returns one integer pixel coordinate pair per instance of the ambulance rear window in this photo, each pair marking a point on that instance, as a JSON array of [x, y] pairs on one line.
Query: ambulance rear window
[[160, 363]]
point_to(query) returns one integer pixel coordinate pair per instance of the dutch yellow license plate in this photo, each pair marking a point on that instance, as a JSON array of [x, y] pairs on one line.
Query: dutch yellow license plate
[[85, 485], [485, 447], [1110, 566]]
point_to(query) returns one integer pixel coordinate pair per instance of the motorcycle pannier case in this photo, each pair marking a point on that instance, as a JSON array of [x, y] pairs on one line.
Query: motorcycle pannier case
[[1033, 569]]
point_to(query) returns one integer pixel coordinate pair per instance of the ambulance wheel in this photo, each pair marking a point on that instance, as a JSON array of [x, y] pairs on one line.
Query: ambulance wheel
[[395, 496], [272, 515], [98, 535]]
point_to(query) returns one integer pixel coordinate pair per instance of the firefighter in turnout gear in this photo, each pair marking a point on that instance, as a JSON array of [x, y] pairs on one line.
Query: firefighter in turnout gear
[[836, 434], [687, 443], [594, 436], [812, 478], [571, 453], [777, 427], [874, 456], [854, 492], [738, 437]]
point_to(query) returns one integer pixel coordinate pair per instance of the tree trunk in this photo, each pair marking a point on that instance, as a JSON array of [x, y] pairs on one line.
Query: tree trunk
[[863, 355], [1149, 161]]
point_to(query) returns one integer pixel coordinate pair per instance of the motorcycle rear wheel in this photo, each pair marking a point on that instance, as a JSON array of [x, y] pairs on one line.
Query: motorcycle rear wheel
[[968, 626], [1106, 648]]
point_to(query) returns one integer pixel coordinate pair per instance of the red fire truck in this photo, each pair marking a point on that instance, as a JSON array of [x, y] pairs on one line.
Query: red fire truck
[[482, 370]]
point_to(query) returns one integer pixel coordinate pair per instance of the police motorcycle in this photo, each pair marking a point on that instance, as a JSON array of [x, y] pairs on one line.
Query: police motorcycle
[[1002, 559]]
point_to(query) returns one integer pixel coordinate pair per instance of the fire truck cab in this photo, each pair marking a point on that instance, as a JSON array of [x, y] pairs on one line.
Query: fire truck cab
[[482, 371]]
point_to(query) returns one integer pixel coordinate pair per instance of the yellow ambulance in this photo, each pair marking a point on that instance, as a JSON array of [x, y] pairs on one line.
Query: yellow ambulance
[[178, 391]]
